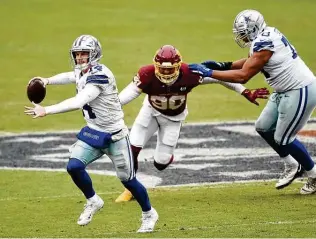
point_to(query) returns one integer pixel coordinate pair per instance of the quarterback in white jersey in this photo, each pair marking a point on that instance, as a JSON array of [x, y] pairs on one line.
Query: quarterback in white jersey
[[105, 132], [294, 97]]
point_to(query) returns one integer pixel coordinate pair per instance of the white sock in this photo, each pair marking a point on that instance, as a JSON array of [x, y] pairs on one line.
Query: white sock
[[290, 161], [311, 173], [148, 211], [93, 199]]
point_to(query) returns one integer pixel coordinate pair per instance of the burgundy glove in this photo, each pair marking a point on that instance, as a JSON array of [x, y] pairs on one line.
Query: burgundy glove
[[252, 95]]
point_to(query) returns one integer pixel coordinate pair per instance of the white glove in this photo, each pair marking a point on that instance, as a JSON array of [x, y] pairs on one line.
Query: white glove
[[36, 111], [44, 80]]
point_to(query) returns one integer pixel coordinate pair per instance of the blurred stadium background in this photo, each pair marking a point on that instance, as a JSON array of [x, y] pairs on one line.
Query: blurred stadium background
[[36, 36]]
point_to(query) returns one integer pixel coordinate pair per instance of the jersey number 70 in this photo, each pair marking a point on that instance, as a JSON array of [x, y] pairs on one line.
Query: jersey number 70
[[287, 43]]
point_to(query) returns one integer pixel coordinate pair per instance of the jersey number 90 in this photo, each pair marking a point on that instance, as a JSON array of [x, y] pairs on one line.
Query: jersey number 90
[[164, 103]]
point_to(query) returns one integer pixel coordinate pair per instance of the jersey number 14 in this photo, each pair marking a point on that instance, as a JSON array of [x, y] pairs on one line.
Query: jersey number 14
[[87, 112]]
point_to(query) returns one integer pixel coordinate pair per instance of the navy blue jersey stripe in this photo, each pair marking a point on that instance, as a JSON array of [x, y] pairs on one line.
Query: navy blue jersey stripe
[[99, 79], [262, 44], [103, 82]]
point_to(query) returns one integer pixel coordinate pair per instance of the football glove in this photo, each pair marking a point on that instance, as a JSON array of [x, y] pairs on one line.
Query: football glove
[[219, 66], [201, 70], [252, 95]]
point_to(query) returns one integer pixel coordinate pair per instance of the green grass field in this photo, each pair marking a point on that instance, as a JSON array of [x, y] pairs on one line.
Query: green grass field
[[36, 36], [51, 206]]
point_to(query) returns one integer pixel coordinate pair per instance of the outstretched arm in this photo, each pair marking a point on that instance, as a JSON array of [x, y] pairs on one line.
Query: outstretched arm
[[224, 66], [89, 93], [238, 64], [250, 95], [129, 93], [232, 86], [59, 79], [62, 79], [252, 66]]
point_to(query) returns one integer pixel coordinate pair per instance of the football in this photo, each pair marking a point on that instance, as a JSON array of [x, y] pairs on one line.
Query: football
[[36, 91]]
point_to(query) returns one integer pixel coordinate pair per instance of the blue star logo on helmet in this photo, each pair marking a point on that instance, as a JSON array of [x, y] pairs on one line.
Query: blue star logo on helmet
[[247, 19]]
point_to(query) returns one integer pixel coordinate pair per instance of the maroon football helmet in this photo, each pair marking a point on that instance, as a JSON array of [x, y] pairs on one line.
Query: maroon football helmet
[[167, 62]]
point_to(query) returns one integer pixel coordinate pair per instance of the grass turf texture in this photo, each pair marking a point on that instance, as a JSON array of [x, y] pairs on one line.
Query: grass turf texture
[[51, 205], [37, 36]]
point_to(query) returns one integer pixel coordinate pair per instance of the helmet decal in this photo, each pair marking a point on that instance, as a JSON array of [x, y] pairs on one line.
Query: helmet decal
[[247, 26]]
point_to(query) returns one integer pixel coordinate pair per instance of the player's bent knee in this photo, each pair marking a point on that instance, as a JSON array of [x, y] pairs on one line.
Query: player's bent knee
[[259, 126], [163, 162], [123, 176], [75, 165], [123, 172]]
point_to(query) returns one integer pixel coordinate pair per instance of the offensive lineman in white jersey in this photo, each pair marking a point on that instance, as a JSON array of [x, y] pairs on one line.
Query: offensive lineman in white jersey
[[105, 133], [293, 100]]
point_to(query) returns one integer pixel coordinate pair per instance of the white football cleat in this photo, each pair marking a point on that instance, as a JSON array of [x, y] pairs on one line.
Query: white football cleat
[[289, 174], [90, 208], [149, 220], [309, 187]]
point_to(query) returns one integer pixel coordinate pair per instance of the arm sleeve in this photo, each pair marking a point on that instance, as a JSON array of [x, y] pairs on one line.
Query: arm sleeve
[[89, 93], [62, 79], [129, 93], [232, 86]]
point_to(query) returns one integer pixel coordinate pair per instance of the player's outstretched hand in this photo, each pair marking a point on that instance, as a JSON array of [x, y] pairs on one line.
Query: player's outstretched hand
[[252, 95], [201, 70], [44, 80], [36, 111]]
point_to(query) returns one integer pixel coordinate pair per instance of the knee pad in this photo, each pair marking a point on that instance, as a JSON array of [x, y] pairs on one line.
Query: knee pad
[[259, 127], [123, 171], [262, 126], [75, 165], [163, 165]]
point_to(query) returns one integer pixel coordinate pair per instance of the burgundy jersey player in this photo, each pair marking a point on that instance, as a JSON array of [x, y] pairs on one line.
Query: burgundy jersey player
[[166, 84]]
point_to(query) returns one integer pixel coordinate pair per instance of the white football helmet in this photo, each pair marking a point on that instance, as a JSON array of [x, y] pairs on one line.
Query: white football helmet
[[247, 25], [86, 43]]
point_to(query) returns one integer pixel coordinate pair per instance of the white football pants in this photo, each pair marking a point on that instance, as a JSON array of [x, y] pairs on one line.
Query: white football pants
[[168, 132]]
